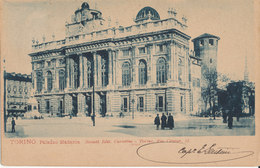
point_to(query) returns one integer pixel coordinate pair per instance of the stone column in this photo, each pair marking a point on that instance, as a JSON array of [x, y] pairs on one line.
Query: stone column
[[172, 62], [149, 66], [71, 73], [56, 71], [84, 70], [80, 71], [185, 66], [153, 65], [133, 67], [99, 81], [34, 78], [67, 73], [95, 66], [110, 67], [115, 75]]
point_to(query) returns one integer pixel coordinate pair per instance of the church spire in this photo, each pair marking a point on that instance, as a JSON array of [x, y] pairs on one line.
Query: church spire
[[246, 70]]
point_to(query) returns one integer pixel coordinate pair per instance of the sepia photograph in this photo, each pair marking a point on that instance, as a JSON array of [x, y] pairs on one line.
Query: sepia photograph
[[105, 68], [161, 82]]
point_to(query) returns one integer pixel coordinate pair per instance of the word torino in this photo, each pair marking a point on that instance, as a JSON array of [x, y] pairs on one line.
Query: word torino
[[23, 141]]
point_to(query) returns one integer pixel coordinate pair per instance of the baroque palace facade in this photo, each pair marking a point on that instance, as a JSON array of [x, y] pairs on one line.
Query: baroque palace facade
[[145, 67]]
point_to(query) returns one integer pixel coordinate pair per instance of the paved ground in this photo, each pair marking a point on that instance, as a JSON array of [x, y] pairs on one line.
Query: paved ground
[[141, 126]]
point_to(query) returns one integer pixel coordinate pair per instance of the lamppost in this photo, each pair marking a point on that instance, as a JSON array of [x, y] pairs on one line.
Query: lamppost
[[5, 108], [133, 102], [93, 99]]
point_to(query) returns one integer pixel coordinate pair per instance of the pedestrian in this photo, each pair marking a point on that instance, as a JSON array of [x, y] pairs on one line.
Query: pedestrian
[[163, 118], [157, 121], [13, 125], [170, 121], [230, 121], [224, 115]]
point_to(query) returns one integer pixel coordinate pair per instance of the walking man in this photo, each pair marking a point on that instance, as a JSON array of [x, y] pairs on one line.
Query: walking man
[[230, 121], [13, 125], [157, 121], [163, 118], [170, 121]]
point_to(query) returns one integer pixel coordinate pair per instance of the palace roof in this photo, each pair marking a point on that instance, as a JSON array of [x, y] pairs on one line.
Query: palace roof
[[147, 13]]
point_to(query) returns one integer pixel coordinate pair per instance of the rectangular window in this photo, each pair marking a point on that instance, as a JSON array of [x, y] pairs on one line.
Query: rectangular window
[[141, 104], [198, 82], [125, 52], [211, 42], [61, 62], [182, 109], [47, 106], [160, 103], [124, 104], [142, 50], [194, 82], [128, 29], [160, 48], [61, 107], [39, 107], [202, 42], [121, 30]]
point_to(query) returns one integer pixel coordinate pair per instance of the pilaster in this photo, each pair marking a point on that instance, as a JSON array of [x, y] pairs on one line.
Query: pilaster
[[99, 81], [175, 64], [153, 65], [67, 73], [133, 67], [110, 68], [95, 67], [80, 71], [71, 73]]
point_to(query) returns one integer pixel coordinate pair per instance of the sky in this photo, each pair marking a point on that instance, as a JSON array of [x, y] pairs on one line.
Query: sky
[[231, 20]]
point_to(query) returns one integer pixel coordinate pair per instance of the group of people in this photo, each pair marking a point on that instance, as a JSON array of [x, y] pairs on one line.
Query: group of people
[[165, 121]]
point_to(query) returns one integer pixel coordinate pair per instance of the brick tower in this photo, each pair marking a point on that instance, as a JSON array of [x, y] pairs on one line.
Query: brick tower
[[206, 48]]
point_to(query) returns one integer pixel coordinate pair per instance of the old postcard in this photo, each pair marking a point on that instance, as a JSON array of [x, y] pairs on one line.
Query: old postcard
[[130, 82]]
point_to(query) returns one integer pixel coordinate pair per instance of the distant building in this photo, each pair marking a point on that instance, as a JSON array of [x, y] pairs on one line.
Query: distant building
[[246, 73], [195, 75], [17, 89], [144, 67]]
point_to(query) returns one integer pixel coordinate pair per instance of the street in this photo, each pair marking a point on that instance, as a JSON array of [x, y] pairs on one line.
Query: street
[[141, 126]]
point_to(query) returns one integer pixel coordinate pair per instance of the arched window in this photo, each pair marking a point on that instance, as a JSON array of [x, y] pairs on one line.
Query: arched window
[[126, 78], [61, 80], [49, 81], [39, 80], [142, 72], [161, 71], [89, 74]]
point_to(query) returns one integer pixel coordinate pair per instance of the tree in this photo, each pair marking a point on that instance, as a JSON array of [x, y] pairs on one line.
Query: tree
[[223, 81], [209, 89]]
